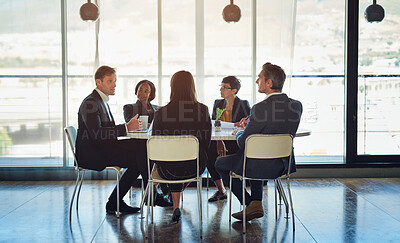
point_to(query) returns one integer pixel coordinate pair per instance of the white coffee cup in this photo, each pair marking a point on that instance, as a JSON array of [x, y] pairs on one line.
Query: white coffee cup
[[145, 120]]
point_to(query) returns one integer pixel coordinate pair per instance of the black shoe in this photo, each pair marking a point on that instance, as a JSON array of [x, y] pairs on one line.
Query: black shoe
[[218, 196], [176, 216], [162, 201], [123, 208], [164, 188]]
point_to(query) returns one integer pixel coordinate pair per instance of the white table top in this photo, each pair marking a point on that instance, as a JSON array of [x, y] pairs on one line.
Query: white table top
[[224, 134]]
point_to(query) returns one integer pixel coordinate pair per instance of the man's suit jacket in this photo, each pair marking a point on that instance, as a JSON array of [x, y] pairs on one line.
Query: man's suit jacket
[[241, 108], [130, 110], [97, 133], [278, 114]]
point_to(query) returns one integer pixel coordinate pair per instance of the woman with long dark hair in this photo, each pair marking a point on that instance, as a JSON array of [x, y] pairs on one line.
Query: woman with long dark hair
[[183, 115]]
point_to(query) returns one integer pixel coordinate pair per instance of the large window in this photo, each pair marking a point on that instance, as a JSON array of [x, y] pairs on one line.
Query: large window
[[379, 82], [318, 80], [227, 50], [145, 40], [127, 40], [30, 94]]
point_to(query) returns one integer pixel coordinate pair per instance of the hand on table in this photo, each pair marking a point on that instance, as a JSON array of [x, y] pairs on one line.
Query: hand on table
[[242, 123], [237, 130]]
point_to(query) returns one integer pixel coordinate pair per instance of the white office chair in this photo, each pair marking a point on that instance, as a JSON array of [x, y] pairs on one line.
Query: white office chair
[[71, 135], [172, 149], [263, 146]]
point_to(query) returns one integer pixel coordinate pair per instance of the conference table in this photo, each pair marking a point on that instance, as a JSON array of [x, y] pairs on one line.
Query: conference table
[[224, 134]]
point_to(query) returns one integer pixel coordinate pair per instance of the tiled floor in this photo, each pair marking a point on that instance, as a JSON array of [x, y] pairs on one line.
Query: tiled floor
[[326, 210]]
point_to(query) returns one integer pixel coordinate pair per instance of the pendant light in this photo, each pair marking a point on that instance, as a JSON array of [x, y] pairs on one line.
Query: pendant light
[[231, 13], [89, 11], [374, 13]]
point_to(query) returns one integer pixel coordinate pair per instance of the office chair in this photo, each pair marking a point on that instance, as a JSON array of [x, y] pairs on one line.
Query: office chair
[[172, 149], [71, 135], [265, 146]]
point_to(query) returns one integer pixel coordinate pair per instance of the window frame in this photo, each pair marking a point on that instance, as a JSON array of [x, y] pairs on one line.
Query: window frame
[[351, 82]]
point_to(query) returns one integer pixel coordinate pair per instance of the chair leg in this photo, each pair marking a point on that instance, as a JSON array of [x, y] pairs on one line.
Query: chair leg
[[182, 198], [283, 195], [199, 186], [208, 179], [291, 202], [118, 175], [79, 190], [73, 195], [149, 183], [276, 199], [230, 198], [244, 204], [146, 193], [152, 202], [142, 187]]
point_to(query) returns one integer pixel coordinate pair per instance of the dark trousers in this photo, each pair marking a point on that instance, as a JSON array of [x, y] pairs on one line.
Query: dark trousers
[[176, 171], [181, 170], [130, 154], [234, 163], [212, 155]]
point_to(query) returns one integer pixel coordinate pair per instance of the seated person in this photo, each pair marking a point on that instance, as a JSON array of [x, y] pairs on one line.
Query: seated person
[[96, 144], [183, 115], [146, 92], [235, 110], [276, 114]]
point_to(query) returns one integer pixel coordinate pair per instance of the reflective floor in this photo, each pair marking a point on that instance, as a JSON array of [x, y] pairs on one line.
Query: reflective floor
[[326, 210]]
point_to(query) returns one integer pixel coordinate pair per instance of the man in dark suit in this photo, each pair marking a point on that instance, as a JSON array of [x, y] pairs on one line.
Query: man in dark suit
[[276, 114], [97, 145]]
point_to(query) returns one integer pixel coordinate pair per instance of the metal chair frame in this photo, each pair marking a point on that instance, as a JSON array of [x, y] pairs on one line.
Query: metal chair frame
[[172, 148], [282, 145], [70, 131]]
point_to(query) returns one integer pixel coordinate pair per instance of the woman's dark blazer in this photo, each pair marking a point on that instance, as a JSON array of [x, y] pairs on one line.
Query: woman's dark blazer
[[130, 110], [185, 119], [241, 108]]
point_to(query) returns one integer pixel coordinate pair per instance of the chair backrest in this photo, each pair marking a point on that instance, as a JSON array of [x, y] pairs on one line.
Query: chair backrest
[[71, 135], [172, 148], [268, 146]]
